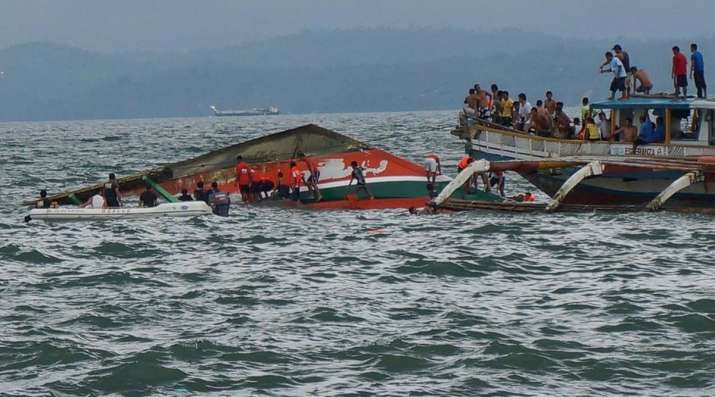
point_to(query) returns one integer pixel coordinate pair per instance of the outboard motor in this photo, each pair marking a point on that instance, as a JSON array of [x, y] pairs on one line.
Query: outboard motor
[[220, 203]]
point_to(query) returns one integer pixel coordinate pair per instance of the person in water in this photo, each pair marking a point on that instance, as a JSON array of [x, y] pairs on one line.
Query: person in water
[[358, 175], [111, 194], [220, 202], [148, 198], [95, 202], [185, 196], [200, 194]]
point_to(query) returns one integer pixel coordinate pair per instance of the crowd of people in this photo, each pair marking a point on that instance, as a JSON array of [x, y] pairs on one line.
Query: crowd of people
[[548, 118]]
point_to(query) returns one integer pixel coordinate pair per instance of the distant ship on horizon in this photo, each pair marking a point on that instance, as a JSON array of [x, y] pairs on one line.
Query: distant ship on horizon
[[269, 111]]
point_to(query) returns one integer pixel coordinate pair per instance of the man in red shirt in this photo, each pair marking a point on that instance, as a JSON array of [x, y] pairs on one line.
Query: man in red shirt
[[680, 72], [244, 179]]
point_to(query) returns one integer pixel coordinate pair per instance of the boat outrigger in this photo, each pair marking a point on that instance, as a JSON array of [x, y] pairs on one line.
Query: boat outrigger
[[613, 173], [393, 181]]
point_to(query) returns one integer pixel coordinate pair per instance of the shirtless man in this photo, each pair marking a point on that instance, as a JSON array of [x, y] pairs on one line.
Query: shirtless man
[[550, 103], [542, 122], [563, 122], [641, 76], [473, 100], [629, 131]]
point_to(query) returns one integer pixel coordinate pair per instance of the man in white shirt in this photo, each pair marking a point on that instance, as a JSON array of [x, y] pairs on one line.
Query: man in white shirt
[[604, 124], [524, 113], [619, 75], [96, 201]]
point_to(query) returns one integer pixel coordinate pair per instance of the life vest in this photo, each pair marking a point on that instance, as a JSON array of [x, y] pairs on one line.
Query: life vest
[[296, 177], [464, 162], [219, 198], [243, 174], [528, 197]]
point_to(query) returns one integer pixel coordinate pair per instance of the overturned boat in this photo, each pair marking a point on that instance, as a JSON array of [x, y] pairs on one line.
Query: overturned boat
[[631, 176], [394, 182], [173, 210]]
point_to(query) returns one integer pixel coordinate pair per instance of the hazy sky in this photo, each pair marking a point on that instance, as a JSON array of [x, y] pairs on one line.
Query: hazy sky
[[186, 24]]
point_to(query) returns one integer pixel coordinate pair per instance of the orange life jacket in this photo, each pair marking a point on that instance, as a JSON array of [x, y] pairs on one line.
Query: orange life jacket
[[296, 177], [464, 162], [243, 174]]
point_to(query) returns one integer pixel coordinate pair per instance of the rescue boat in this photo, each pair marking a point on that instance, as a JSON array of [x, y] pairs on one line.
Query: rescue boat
[[634, 176], [175, 210]]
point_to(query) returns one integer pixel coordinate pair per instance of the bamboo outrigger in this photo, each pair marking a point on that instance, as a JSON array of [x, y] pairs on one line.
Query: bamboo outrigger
[[589, 167]]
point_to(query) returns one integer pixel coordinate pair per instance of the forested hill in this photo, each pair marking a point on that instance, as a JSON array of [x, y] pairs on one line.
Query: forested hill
[[326, 71]]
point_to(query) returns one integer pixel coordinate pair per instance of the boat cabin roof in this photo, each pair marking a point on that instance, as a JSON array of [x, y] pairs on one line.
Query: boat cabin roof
[[645, 103]]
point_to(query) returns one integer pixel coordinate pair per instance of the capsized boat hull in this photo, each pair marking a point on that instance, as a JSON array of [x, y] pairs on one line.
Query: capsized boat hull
[[388, 177], [392, 181], [175, 210]]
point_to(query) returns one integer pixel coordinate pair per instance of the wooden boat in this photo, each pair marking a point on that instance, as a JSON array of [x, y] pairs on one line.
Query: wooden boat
[[175, 210], [689, 140], [393, 181]]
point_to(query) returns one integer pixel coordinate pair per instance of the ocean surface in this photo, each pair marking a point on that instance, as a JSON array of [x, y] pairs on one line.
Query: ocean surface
[[275, 302]]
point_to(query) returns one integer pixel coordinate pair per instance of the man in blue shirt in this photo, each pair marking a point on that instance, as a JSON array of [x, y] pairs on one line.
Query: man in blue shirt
[[697, 71], [646, 134]]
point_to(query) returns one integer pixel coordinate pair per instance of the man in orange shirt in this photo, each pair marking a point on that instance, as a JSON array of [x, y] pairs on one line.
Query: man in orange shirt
[[244, 179]]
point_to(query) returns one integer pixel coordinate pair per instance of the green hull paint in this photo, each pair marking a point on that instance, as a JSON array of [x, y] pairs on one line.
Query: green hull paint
[[400, 189], [380, 190]]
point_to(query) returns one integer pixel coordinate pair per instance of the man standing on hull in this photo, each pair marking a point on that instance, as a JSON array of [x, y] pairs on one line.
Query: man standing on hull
[[697, 71], [680, 72], [243, 179]]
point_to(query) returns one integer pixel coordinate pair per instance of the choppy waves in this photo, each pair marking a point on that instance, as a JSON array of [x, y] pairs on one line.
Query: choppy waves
[[276, 302]]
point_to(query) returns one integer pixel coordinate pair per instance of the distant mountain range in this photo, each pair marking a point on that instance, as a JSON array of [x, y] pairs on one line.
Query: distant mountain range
[[326, 71]]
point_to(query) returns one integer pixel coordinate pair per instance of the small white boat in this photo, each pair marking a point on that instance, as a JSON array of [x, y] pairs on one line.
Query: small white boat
[[180, 209]]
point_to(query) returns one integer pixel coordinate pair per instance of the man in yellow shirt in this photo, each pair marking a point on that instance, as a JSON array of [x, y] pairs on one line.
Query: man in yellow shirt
[[507, 106]]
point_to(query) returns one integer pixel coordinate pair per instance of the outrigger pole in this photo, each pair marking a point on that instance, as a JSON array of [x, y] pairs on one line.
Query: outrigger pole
[[693, 168]]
